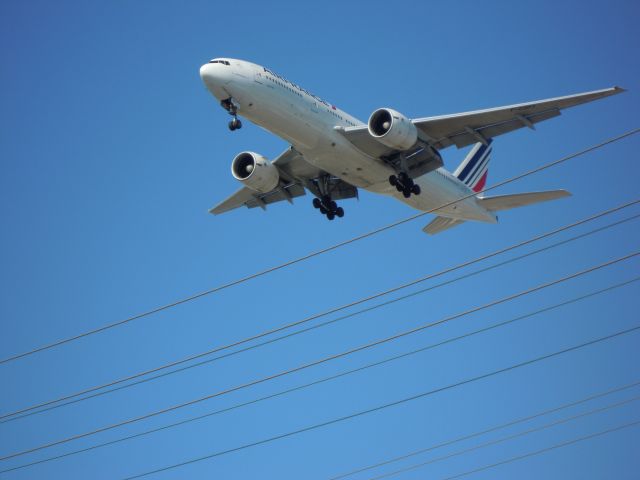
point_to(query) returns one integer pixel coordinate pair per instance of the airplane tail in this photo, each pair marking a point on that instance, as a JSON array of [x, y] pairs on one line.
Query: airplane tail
[[473, 172], [474, 168], [496, 204]]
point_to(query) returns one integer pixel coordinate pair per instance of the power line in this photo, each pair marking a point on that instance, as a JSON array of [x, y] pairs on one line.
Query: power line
[[507, 438], [545, 450], [30, 411], [326, 359], [343, 374], [313, 254], [385, 406], [484, 432], [67, 399]]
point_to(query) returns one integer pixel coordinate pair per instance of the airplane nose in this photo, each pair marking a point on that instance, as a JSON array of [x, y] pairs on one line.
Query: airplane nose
[[207, 73], [215, 76]]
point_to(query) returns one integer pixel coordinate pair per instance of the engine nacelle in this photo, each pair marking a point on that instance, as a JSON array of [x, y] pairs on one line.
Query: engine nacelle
[[392, 129], [255, 171]]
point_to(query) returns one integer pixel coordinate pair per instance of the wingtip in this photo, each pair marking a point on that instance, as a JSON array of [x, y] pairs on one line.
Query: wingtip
[[619, 89]]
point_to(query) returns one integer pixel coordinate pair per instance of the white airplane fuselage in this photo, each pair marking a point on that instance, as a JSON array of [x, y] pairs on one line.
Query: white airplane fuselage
[[309, 124]]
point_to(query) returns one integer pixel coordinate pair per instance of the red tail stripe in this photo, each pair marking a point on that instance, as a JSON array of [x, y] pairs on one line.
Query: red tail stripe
[[481, 183]]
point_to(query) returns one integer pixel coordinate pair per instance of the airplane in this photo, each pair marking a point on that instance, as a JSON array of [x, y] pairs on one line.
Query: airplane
[[332, 154]]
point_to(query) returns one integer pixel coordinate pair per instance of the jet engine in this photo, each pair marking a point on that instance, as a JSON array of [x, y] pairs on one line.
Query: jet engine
[[392, 129], [255, 172]]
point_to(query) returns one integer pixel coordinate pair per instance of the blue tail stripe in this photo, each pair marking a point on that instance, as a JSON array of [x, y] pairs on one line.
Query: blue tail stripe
[[469, 166], [473, 162], [480, 169]]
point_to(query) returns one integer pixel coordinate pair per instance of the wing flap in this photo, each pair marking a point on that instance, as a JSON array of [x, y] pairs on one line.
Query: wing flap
[[464, 137]]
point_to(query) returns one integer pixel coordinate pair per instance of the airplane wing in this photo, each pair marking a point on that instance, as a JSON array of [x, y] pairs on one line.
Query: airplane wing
[[296, 174], [251, 199], [462, 129]]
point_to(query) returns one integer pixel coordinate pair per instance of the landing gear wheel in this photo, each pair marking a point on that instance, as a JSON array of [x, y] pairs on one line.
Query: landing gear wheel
[[235, 124], [399, 187], [328, 207], [393, 180], [415, 189], [406, 193]]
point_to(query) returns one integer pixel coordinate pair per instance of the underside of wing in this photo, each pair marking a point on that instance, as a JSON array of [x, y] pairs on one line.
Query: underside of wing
[[462, 129], [251, 199], [416, 161], [296, 176]]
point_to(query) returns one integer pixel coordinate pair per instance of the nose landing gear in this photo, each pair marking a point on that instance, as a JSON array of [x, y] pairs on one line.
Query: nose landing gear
[[404, 184], [328, 207], [229, 105]]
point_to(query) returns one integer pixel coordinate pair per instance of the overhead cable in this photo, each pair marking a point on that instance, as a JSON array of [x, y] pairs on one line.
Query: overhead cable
[[313, 254], [326, 359], [545, 450], [486, 431], [340, 375], [70, 399], [507, 438], [385, 406]]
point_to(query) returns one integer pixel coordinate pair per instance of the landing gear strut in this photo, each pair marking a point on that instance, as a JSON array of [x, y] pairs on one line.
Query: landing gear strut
[[404, 184], [231, 107], [328, 207]]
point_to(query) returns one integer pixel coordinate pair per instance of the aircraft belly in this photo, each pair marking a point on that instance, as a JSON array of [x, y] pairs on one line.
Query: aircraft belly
[[344, 161]]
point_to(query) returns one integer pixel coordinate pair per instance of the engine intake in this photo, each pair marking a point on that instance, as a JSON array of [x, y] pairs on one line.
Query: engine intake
[[392, 129], [255, 172]]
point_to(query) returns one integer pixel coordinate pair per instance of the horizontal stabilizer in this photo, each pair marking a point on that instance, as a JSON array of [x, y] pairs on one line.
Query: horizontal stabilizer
[[507, 202], [440, 224]]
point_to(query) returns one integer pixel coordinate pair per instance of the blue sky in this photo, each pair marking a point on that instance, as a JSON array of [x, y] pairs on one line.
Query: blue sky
[[112, 151]]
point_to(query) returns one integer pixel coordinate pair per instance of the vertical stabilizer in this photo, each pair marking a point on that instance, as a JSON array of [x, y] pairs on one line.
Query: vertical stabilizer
[[474, 168]]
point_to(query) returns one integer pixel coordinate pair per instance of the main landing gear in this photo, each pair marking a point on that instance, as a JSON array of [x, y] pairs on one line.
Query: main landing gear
[[232, 108], [328, 207], [404, 184]]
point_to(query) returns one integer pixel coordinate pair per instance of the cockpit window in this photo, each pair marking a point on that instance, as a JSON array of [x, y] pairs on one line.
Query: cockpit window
[[224, 62]]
